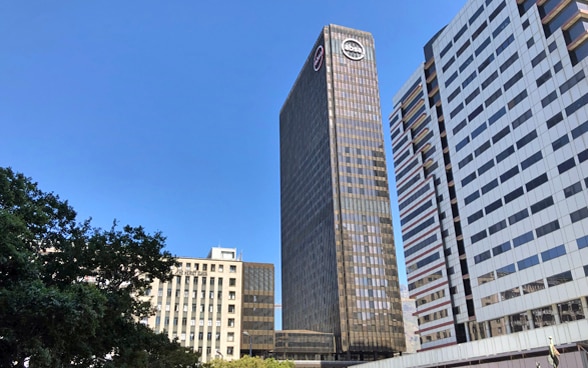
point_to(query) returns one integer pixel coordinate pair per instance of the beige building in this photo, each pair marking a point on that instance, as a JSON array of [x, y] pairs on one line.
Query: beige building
[[203, 305]]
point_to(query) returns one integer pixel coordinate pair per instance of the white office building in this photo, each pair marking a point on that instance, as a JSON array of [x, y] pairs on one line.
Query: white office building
[[490, 146]]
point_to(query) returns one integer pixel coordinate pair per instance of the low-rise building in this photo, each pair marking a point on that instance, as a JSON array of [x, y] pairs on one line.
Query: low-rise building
[[219, 306]]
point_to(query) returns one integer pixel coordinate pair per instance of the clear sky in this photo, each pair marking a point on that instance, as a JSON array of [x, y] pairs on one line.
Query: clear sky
[[166, 113]]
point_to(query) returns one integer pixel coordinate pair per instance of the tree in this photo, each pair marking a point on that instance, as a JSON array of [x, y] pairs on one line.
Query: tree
[[249, 362], [70, 293]]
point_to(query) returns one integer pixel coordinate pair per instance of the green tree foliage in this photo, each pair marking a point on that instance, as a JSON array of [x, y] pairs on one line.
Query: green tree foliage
[[249, 362], [70, 293]]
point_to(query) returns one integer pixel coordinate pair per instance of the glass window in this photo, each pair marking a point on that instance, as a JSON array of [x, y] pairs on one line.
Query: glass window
[[552, 253], [506, 270], [560, 278], [528, 262], [504, 247], [522, 239]]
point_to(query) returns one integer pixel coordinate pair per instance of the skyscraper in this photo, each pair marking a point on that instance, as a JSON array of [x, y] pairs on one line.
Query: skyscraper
[[489, 139], [339, 271]]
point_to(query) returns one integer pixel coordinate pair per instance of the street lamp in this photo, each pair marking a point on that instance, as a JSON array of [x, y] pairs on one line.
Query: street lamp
[[247, 334]]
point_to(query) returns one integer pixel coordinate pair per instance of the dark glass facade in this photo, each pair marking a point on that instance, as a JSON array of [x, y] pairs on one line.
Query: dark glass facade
[[339, 270], [257, 314], [304, 345]]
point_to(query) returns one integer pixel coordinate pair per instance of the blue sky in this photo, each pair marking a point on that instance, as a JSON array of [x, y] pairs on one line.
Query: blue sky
[[165, 113]]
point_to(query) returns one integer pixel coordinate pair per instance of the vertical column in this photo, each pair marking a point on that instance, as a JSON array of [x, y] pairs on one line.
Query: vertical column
[[487, 329], [555, 310], [530, 320], [584, 301]]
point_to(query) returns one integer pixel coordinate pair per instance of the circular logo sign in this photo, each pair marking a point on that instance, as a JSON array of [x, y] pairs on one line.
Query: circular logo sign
[[319, 57], [353, 49]]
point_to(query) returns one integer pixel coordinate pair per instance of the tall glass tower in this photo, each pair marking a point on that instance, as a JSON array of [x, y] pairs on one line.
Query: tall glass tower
[[339, 270]]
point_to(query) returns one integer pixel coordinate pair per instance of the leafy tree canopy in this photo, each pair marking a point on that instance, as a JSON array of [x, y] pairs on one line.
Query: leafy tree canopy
[[70, 293], [249, 362]]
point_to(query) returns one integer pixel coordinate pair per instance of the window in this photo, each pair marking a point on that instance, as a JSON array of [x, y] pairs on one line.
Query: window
[[580, 130], [571, 82], [476, 216], [491, 185], [530, 42], [450, 79], [536, 182], [463, 47], [469, 79], [521, 215], [504, 154], [566, 165], [472, 197], [509, 174], [536, 157], [483, 147], [501, 134], [489, 80], [560, 142], [504, 247], [552, 253], [487, 166], [501, 27], [514, 57], [522, 239], [482, 46], [466, 160], [543, 78], [497, 11], [537, 59], [582, 242], [454, 94], [493, 97], [479, 130], [472, 95], [578, 103], [506, 270], [232, 282], [456, 110], [479, 236], [528, 262], [504, 45], [549, 99], [493, 206], [460, 32], [485, 63], [560, 278], [462, 144], [578, 215], [497, 227], [468, 179], [445, 49], [511, 82], [573, 189], [482, 257], [517, 99], [554, 120], [583, 156], [526, 139], [232, 268], [478, 31], [547, 228], [465, 64], [514, 195]]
